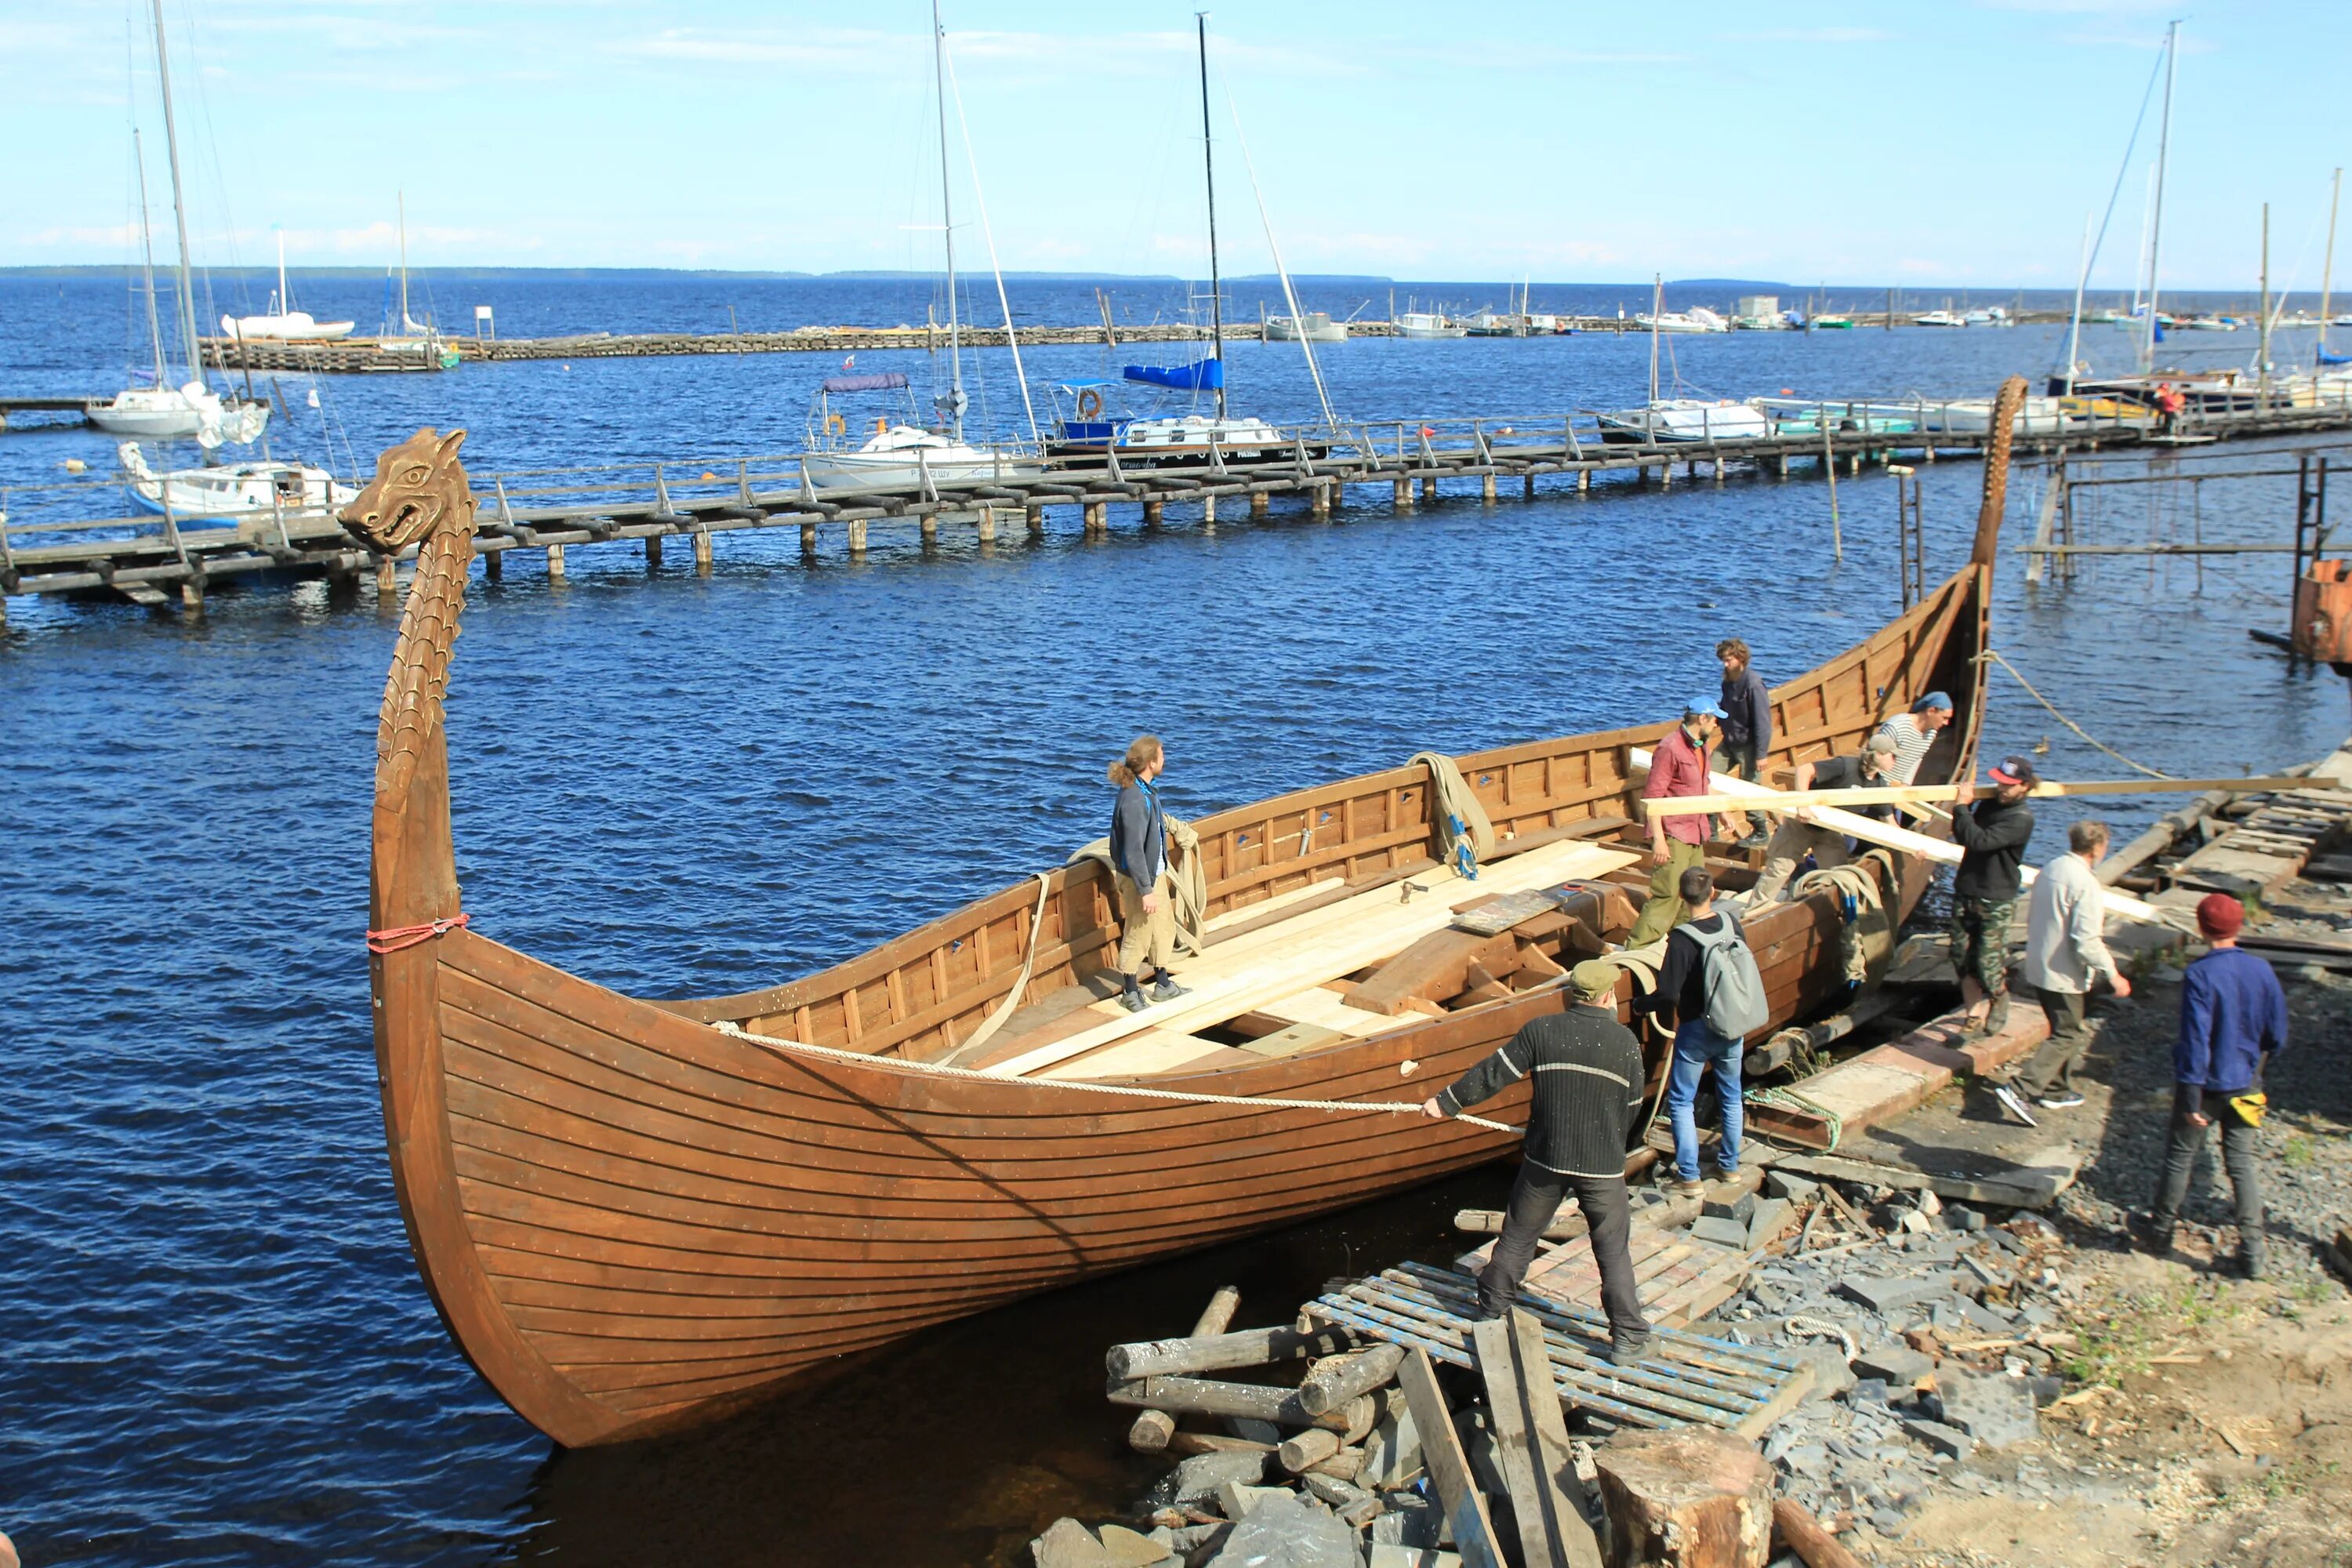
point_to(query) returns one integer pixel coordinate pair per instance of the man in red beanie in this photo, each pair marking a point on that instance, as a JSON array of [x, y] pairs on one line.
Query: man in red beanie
[[2233, 1017]]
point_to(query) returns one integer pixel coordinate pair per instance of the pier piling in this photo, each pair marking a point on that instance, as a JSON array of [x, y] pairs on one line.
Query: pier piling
[[653, 552], [1259, 502], [555, 562], [857, 539], [987, 525], [702, 552]]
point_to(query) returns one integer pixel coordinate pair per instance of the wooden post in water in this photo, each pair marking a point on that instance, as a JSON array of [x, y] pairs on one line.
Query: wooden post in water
[[1036, 521], [386, 566], [494, 564], [192, 592], [808, 540], [988, 525], [1092, 516], [930, 527], [1527, 486], [1829, 468], [555, 562], [1319, 498], [1486, 489], [1583, 482], [653, 552], [1152, 512], [1208, 514], [1259, 501], [1429, 489], [702, 553], [1404, 495], [857, 539]]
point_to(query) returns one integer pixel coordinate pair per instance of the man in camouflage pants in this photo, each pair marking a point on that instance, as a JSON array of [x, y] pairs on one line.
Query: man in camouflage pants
[[1992, 835]]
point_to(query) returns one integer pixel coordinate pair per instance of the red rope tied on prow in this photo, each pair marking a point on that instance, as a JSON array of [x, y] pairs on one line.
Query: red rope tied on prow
[[398, 937]]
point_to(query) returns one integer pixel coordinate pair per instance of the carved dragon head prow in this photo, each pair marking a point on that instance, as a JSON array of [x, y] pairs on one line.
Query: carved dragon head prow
[[417, 484]]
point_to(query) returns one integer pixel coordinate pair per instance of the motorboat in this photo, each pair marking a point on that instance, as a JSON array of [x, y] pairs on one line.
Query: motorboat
[[1939, 319], [2207, 324], [1697, 319], [262, 488], [1313, 326], [1833, 323], [281, 321], [176, 412], [1428, 324], [1683, 419], [1967, 416], [1811, 417], [900, 455]]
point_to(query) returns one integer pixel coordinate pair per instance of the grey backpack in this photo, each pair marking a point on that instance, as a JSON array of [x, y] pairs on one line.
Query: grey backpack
[[1728, 978]]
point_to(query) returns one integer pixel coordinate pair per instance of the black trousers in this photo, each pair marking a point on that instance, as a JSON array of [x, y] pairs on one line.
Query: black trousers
[[1535, 1198], [2052, 1065], [2238, 1137]]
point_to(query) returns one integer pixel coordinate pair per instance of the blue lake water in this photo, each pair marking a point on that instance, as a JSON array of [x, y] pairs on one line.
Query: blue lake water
[[216, 1350]]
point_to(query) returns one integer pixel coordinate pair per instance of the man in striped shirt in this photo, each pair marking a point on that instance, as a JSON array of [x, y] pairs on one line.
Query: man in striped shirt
[[1914, 733], [1587, 1069]]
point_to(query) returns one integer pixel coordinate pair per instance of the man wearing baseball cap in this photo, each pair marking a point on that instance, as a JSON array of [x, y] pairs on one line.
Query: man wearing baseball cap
[[1993, 835], [1798, 836], [1914, 733], [1678, 767], [2232, 1020], [1586, 1069]]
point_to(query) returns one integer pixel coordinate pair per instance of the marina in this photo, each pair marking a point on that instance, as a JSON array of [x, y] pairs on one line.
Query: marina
[[1110, 881]]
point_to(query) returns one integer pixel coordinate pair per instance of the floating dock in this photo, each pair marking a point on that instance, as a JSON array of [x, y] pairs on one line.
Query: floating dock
[[550, 510]]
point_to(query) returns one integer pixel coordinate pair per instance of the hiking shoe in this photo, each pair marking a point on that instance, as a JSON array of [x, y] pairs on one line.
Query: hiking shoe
[[1675, 1187], [1633, 1350], [1167, 990], [2253, 1263], [1997, 1018], [2014, 1103], [1133, 999], [2149, 1234], [2060, 1099]]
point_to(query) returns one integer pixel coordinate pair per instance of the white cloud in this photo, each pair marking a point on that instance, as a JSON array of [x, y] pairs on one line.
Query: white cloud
[[1816, 36]]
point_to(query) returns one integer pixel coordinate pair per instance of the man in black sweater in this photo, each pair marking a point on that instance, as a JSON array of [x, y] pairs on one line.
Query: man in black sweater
[[1747, 724], [1993, 835], [1587, 1069]]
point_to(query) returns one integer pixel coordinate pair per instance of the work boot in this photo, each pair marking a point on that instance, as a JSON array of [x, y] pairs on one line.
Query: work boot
[[1167, 990], [1631, 1350], [1130, 995], [2254, 1258], [1676, 1187], [2151, 1233]]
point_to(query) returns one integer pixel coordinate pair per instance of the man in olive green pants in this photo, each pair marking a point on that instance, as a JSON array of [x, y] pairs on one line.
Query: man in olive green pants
[[1678, 767]]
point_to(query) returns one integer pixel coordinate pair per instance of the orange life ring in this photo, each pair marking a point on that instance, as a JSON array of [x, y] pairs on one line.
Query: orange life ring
[[1089, 404]]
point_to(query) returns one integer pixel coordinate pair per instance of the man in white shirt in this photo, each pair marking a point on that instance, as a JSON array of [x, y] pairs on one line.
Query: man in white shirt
[[2065, 956]]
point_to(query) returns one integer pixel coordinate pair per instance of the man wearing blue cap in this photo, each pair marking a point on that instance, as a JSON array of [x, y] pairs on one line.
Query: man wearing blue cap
[[1914, 734], [1678, 768]]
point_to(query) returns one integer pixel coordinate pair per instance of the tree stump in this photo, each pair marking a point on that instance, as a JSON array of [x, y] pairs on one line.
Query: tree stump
[[1687, 1499]]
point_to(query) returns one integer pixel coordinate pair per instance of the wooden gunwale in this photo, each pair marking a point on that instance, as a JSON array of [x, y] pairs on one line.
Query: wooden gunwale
[[630, 1220]]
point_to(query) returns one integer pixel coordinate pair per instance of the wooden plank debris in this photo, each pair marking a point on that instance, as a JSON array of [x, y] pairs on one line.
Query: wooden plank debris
[[1449, 1466]]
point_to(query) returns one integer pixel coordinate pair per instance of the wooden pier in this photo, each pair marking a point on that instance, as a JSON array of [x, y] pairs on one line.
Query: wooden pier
[[148, 560], [77, 409]]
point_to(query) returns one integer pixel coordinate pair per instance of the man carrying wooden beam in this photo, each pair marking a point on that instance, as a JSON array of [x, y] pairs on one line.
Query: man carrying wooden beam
[[1993, 835], [1139, 854], [1914, 733], [1587, 1092], [1681, 766], [2065, 956], [1798, 836]]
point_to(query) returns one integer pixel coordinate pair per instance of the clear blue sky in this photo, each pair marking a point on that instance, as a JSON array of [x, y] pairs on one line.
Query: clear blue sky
[[1943, 144]]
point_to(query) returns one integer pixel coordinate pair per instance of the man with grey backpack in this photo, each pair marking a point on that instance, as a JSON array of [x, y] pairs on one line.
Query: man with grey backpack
[[1710, 988]]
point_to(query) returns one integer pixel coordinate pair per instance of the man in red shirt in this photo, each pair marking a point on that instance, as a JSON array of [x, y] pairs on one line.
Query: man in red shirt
[[1678, 767]]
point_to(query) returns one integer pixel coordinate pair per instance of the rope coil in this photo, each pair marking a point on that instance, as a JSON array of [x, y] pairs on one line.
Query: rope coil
[[1183, 1097], [399, 937]]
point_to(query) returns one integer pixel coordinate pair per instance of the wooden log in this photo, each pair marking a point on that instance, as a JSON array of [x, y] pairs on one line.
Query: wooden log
[[1449, 1466], [1802, 1533], [1187, 1444], [1213, 1352], [702, 551], [2159, 838], [1690, 1497], [1302, 1449], [1199, 1396], [1357, 1374], [555, 562], [1154, 1428], [1343, 1466]]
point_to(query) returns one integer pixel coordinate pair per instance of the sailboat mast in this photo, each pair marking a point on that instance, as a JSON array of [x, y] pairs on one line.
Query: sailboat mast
[[947, 218], [401, 198], [147, 256], [179, 208], [2156, 222], [2328, 266], [2263, 342], [285, 300], [1209, 166], [1657, 304], [2074, 331]]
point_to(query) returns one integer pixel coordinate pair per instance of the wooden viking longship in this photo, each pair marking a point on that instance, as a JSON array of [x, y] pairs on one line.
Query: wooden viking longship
[[637, 1214]]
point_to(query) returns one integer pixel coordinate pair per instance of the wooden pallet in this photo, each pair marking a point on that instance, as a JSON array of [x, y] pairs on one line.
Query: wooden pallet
[[1693, 1380], [1679, 1277]]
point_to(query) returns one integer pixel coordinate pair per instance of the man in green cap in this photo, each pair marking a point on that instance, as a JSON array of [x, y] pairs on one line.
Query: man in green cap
[[1587, 1073]]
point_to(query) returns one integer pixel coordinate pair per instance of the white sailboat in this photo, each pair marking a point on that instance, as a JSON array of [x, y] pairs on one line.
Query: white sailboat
[[281, 321], [902, 456], [1697, 319], [165, 412], [1678, 419], [260, 489]]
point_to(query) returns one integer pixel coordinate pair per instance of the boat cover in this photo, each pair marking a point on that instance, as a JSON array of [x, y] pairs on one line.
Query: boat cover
[[1201, 376], [881, 381]]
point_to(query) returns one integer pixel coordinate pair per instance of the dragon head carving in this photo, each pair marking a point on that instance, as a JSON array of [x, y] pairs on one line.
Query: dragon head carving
[[416, 484]]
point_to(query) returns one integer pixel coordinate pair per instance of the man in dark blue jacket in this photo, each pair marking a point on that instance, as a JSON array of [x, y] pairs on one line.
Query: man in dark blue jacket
[[1747, 724], [2232, 1018]]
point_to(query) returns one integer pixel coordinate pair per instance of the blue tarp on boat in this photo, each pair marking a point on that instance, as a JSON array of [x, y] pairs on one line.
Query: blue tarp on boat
[[2327, 358], [881, 381], [1206, 375]]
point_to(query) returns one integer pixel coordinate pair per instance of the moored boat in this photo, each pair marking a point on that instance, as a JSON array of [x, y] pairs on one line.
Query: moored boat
[[633, 1215]]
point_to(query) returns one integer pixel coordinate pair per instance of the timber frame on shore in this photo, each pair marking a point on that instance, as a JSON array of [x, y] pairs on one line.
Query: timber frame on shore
[[549, 511]]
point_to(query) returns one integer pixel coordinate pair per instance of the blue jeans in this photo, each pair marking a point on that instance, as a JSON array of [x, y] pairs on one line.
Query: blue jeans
[[1696, 1048]]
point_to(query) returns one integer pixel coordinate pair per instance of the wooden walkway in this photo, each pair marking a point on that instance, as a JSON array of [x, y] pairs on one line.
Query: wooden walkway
[[551, 512]]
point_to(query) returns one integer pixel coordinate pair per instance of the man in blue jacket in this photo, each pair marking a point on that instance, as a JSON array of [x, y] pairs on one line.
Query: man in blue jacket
[[2232, 1018]]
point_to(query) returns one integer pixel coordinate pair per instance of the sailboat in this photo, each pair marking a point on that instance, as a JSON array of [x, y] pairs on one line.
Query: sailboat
[[407, 338], [163, 412], [903, 456], [1177, 440], [1663, 419], [261, 487], [281, 321]]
